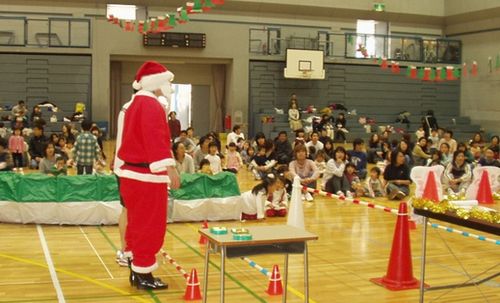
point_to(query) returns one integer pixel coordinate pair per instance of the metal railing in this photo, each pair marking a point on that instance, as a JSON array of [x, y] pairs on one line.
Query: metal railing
[[45, 32], [267, 41]]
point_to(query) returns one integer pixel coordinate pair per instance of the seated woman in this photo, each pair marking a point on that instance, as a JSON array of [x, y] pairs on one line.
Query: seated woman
[[49, 159], [458, 175], [397, 177], [374, 150], [184, 163], [420, 152], [305, 169]]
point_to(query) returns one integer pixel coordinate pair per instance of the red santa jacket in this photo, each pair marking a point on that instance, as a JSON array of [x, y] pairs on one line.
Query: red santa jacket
[[145, 145]]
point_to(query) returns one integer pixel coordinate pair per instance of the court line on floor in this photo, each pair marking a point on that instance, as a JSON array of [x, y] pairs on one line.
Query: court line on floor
[[290, 288], [96, 253], [113, 246], [50, 265], [217, 267], [75, 275]]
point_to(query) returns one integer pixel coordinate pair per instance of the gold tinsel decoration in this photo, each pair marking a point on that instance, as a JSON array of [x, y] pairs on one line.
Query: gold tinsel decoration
[[445, 206]]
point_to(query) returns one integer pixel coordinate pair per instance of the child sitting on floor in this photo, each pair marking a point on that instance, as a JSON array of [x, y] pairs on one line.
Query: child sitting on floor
[[254, 201], [205, 167], [374, 187], [233, 159], [59, 168], [353, 180], [261, 165], [277, 201], [320, 162]]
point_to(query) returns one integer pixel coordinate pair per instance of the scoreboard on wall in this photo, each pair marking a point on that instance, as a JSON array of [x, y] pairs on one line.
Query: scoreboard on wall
[[169, 39]]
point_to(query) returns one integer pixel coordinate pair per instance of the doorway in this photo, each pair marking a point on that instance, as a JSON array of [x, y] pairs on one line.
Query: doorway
[[181, 103]]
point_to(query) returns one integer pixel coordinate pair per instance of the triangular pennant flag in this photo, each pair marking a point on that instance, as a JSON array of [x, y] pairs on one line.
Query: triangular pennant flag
[[121, 23], [141, 27], [427, 74], [442, 76], [464, 70], [432, 75], [146, 26], [449, 73], [408, 71], [111, 18], [218, 2], [129, 26], [207, 5], [183, 15], [171, 20], [456, 73], [497, 63], [153, 25], [413, 72], [420, 73], [383, 65], [474, 68]]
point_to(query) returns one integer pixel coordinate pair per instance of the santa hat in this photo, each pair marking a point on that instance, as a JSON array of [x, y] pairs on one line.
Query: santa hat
[[152, 76]]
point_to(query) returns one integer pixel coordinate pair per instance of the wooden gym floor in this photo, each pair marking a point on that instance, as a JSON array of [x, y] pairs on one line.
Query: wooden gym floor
[[354, 245]]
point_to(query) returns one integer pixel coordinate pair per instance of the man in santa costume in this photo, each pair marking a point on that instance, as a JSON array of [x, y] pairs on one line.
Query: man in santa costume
[[148, 166]]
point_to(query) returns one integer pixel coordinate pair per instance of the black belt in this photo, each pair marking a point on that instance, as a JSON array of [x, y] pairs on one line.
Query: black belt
[[143, 164]]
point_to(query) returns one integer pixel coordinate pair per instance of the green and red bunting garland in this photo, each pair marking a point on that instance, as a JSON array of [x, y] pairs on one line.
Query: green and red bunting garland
[[167, 21], [433, 73]]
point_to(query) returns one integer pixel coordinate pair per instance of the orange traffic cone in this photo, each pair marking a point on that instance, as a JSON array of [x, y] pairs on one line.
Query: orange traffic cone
[[484, 194], [203, 240], [431, 189], [399, 274], [193, 287], [275, 288]]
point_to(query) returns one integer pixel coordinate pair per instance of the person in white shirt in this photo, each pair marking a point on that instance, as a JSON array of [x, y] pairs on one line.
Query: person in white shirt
[[448, 138], [214, 159], [235, 135], [314, 143]]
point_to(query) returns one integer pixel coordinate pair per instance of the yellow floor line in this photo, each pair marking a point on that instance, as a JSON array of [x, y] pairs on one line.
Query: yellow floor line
[[290, 288], [75, 275]]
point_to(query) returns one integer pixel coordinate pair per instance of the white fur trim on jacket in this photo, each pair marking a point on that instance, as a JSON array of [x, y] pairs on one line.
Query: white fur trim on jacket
[[161, 165], [144, 270], [154, 82], [150, 178]]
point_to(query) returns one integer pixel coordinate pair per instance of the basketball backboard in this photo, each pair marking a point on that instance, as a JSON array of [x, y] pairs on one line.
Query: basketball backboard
[[304, 64]]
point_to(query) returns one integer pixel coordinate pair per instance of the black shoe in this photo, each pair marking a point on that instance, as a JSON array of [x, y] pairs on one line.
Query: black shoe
[[146, 281]]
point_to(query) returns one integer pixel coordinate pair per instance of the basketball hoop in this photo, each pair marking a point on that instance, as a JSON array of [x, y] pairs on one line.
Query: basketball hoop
[[306, 73]]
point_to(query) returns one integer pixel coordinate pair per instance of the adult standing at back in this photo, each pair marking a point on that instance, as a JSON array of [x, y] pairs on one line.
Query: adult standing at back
[[148, 167], [233, 136], [429, 123], [174, 124]]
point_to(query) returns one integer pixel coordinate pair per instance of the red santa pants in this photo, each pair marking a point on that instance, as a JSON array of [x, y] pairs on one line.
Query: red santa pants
[[147, 221]]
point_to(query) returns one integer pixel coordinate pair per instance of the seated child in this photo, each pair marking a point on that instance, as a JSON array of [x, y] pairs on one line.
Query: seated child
[[261, 165], [59, 168], [435, 158], [373, 186], [213, 158], [233, 159], [247, 154], [205, 167], [320, 162], [353, 181], [254, 201], [277, 201]]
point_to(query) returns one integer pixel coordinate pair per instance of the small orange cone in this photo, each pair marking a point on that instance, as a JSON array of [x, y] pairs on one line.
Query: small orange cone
[[430, 189], [399, 274], [203, 240], [193, 287], [484, 194], [275, 288]]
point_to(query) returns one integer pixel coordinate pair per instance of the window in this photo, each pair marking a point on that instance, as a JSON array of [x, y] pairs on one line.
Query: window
[[127, 12], [365, 30]]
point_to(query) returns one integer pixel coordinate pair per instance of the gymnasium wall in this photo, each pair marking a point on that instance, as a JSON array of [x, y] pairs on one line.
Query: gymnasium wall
[[480, 96], [374, 92], [36, 78]]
